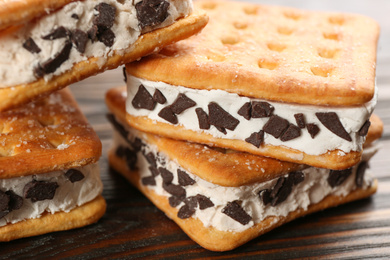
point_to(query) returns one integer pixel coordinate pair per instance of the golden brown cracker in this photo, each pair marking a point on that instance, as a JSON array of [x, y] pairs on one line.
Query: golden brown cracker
[[274, 53]]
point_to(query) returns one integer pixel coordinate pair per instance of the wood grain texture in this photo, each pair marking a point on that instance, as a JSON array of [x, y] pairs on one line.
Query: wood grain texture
[[133, 228]]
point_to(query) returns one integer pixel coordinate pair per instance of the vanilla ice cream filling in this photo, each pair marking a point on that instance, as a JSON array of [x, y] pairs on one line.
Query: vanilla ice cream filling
[[17, 64], [351, 118], [68, 195], [313, 189]]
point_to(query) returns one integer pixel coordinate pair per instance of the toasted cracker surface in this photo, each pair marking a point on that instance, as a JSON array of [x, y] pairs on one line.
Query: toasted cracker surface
[[15, 96], [216, 240], [81, 216], [275, 53], [50, 134]]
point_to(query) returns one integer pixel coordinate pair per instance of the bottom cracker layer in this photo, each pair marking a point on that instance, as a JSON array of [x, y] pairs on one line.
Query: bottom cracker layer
[[81, 216]]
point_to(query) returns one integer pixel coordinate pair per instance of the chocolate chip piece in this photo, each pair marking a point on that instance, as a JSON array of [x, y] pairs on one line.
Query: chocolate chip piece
[[4, 201], [121, 151], [59, 32], [331, 121], [75, 16], [185, 212], [276, 126], [265, 196], [153, 171], [313, 130], [184, 178], [92, 33], [182, 103], [204, 202], [236, 212], [221, 129], [137, 144], [277, 187], [364, 129], [106, 15], [143, 99], [40, 190], [245, 110], [166, 175], [167, 114], [292, 132], [174, 189], [297, 177], [148, 181], [175, 201], [203, 118], [361, 170], [131, 159], [151, 12], [74, 175], [283, 191], [125, 75], [79, 39], [219, 117], [261, 109], [300, 119], [336, 178], [31, 46], [151, 159], [159, 97], [15, 202], [53, 64], [256, 138], [106, 36], [118, 127]]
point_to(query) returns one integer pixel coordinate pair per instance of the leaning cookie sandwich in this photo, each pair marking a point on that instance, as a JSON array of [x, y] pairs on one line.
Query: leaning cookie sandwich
[[49, 175], [78, 39], [222, 198]]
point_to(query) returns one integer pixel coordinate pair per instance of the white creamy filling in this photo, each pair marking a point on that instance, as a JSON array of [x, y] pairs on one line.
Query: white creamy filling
[[312, 190], [68, 195], [17, 64], [352, 118]]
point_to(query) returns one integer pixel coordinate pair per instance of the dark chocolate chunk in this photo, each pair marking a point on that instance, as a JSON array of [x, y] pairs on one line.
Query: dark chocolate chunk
[[361, 170], [276, 126], [221, 129], [331, 121], [300, 119], [153, 171], [256, 138], [261, 109], [74, 175], [313, 130], [106, 15], [185, 211], [40, 190], [59, 32], [336, 178], [131, 159], [167, 114], [265, 196], [175, 201], [283, 191], [182, 103], [31, 46], [174, 189], [297, 177], [245, 110], [118, 126], [137, 144], [75, 16], [148, 181], [151, 159], [121, 151], [364, 129], [15, 202], [292, 132], [236, 212], [125, 75], [151, 12], [92, 33], [203, 118], [166, 175], [53, 64], [184, 178], [277, 187], [79, 39], [4, 201], [204, 202], [159, 97], [219, 117], [143, 99], [106, 36], [3, 213]]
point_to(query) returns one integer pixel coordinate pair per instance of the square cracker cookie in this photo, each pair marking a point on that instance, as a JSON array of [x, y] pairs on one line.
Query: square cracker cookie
[[47, 135], [274, 53]]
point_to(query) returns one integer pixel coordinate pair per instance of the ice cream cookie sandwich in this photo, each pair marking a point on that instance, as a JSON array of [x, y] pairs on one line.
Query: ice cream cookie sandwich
[[290, 84], [49, 175], [77, 39], [223, 198]]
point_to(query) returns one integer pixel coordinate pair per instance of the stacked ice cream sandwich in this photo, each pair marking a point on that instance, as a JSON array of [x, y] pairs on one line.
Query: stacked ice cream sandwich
[[263, 117], [49, 176]]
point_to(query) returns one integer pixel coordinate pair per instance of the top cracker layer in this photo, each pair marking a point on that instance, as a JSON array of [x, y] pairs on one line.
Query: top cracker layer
[[274, 53]]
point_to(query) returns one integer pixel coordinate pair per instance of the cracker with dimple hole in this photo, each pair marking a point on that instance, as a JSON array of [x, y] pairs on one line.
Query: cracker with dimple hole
[[47, 77]]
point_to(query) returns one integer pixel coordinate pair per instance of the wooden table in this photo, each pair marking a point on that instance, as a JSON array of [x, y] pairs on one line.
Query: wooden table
[[132, 227]]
